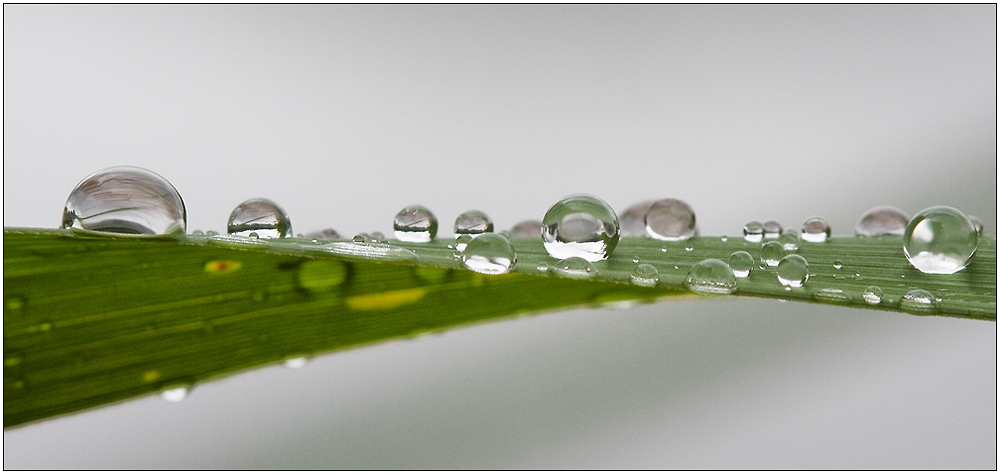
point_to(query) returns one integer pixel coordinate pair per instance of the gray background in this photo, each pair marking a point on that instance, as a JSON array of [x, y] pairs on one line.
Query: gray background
[[345, 114]]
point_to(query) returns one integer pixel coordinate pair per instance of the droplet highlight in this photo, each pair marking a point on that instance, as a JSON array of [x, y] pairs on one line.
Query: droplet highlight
[[645, 275], [793, 271], [815, 229], [711, 277], [872, 295], [742, 263], [918, 301], [415, 224], [125, 200], [489, 254], [940, 240], [260, 216], [582, 226], [176, 394], [753, 231], [670, 219], [881, 220]]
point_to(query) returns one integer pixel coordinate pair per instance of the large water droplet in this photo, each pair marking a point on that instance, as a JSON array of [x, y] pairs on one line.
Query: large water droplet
[[473, 222], [125, 200], [176, 394], [580, 225], [574, 267], [771, 253], [940, 240], [645, 275], [633, 220], [872, 295], [490, 254], [881, 220], [918, 302], [415, 224], [753, 231], [815, 229], [772, 229], [530, 228], [711, 277], [742, 263], [260, 216], [793, 271], [670, 219]]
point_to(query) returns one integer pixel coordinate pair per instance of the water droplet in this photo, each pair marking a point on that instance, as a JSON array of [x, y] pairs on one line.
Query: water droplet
[[689, 248], [361, 238], [125, 200], [724, 239], [543, 267], [872, 295], [415, 224], [490, 254], [789, 240], [742, 263], [645, 275], [323, 234], [711, 277], [530, 228], [837, 264], [461, 241], [753, 231], [940, 240], [259, 216], [197, 232], [918, 302], [771, 253], [815, 229], [175, 394], [793, 271], [881, 220], [670, 219], [832, 295], [211, 232], [296, 362], [378, 237], [580, 225], [633, 220], [473, 222], [254, 235], [978, 224], [575, 267], [772, 229]]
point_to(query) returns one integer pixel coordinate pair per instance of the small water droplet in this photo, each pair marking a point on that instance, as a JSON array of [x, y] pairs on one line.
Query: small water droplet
[[772, 229], [793, 271], [881, 220], [378, 237], [254, 235], [872, 295], [645, 275], [789, 240], [711, 277], [978, 224], [415, 224], [530, 228], [260, 216], [473, 222], [575, 267], [543, 267], [633, 220], [837, 264], [918, 301], [815, 229], [197, 232], [461, 241], [689, 248], [175, 394], [670, 219], [724, 239], [327, 233], [742, 263], [940, 240], [582, 226], [490, 254], [635, 259], [832, 295], [753, 231], [125, 200], [211, 232], [296, 362], [361, 238], [771, 253]]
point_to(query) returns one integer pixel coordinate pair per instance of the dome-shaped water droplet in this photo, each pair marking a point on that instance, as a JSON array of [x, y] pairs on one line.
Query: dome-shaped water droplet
[[260, 216], [742, 263], [881, 220], [772, 229], [361, 238], [473, 222], [670, 219], [125, 200], [530, 228], [574, 267], [940, 240], [175, 394], [815, 229], [633, 220], [793, 271], [789, 240], [918, 302], [711, 277], [490, 254], [837, 264], [872, 295], [978, 224], [645, 275], [771, 253], [580, 225], [753, 231], [415, 224], [296, 362]]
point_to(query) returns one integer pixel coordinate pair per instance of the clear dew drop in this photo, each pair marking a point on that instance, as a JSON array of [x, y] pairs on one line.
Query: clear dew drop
[[872, 295], [526, 229], [473, 222], [670, 219], [789, 240], [837, 264], [918, 301], [753, 231], [793, 271], [296, 362], [582, 226], [940, 240], [415, 224], [125, 200], [175, 394], [461, 241], [978, 224], [260, 216], [378, 237], [711, 277], [742, 263], [633, 220], [815, 229], [645, 275], [881, 220], [361, 238], [574, 267], [211, 232], [771, 253], [490, 254], [772, 229]]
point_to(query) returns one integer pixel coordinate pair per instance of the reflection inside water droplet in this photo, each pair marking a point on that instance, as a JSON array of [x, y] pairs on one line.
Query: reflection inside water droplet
[[490, 254], [415, 224], [259, 216], [711, 277], [125, 200], [582, 226], [940, 240]]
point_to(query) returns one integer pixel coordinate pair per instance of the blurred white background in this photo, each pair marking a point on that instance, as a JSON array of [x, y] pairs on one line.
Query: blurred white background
[[345, 114]]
